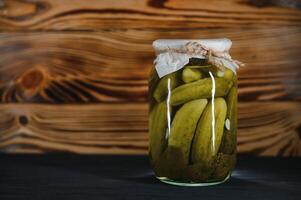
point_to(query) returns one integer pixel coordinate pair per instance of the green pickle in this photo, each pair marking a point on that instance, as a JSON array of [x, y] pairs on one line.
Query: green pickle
[[205, 145], [191, 74], [192, 136], [161, 90], [184, 125], [199, 90], [157, 129]]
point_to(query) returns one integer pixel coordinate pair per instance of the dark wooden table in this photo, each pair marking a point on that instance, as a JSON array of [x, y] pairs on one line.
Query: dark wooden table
[[130, 177]]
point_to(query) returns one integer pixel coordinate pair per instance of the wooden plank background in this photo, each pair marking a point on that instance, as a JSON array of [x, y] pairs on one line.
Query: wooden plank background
[[73, 75]]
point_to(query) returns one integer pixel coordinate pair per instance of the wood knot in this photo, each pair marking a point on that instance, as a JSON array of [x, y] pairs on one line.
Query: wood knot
[[20, 10], [156, 3], [23, 120], [32, 79], [31, 82]]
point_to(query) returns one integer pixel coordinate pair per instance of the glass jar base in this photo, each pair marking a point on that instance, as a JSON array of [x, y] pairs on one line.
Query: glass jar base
[[191, 184]]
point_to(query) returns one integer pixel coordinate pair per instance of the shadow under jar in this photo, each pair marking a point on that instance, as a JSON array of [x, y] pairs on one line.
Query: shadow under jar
[[193, 111]]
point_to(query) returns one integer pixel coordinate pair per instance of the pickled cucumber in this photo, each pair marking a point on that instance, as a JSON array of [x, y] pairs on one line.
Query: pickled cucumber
[[152, 82], [170, 164], [208, 135], [199, 90], [228, 75], [162, 89], [157, 130], [229, 139], [223, 166], [191, 74], [197, 172], [184, 125]]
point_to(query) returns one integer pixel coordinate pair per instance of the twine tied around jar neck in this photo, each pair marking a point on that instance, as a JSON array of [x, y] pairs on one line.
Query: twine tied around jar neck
[[195, 48]]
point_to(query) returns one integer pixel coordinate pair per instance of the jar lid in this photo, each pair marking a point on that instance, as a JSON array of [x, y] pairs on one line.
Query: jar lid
[[218, 45], [173, 54]]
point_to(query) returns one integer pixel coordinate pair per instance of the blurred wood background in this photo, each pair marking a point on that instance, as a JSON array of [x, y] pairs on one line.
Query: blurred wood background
[[73, 74]]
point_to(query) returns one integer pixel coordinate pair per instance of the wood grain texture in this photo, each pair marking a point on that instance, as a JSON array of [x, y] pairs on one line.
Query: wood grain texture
[[73, 76], [103, 128], [265, 128], [113, 66], [107, 14]]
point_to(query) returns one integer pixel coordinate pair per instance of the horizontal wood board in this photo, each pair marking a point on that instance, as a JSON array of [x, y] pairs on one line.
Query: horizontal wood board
[[73, 76]]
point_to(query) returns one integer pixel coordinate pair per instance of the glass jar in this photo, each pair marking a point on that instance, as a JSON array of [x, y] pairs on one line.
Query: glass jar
[[193, 111]]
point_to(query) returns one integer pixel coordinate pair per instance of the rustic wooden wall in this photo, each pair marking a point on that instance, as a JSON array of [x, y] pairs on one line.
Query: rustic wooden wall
[[73, 74]]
